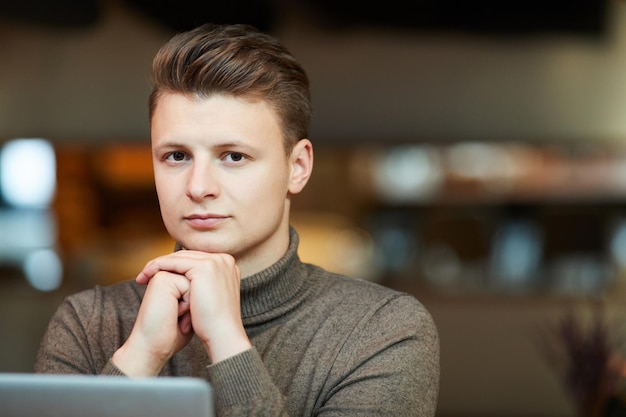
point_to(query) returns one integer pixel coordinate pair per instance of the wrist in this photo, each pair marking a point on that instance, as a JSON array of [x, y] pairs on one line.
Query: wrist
[[228, 344], [137, 362]]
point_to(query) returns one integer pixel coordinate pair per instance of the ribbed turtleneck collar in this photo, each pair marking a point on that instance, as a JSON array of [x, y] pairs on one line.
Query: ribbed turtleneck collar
[[275, 290]]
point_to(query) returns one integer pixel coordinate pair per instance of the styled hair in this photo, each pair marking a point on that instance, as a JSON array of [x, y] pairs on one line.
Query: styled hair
[[237, 60]]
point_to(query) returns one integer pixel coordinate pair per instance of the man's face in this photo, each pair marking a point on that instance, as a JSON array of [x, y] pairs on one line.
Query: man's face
[[222, 177]]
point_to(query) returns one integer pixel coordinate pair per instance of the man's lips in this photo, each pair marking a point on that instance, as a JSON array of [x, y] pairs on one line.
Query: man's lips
[[205, 221]]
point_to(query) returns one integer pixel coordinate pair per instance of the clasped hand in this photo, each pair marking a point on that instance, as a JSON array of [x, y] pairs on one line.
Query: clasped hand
[[188, 292]]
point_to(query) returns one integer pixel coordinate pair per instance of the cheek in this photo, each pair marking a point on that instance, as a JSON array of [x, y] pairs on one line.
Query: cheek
[[167, 197], [273, 189]]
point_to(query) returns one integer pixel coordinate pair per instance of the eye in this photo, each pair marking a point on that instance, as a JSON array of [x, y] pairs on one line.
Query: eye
[[235, 157], [176, 156]]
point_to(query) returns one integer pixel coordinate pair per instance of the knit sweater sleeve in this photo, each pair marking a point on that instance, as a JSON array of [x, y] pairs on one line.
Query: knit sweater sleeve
[[243, 387], [85, 331], [65, 348]]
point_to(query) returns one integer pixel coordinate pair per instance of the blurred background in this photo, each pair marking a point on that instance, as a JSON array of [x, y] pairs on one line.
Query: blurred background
[[472, 153]]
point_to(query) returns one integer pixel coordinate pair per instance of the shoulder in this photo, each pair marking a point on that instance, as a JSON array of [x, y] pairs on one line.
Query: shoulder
[[367, 297], [373, 318], [122, 295], [354, 288], [123, 290]]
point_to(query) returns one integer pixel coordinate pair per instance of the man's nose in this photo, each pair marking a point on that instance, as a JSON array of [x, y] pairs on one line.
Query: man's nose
[[203, 181]]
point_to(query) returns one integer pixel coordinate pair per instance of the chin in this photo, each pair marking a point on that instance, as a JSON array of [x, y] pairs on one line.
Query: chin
[[204, 247]]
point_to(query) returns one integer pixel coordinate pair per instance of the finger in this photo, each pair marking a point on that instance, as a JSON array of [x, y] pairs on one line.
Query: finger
[[184, 323], [181, 263], [169, 288], [183, 304], [162, 263], [154, 266]]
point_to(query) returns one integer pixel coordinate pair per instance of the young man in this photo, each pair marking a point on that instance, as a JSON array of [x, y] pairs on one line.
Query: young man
[[229, 116]]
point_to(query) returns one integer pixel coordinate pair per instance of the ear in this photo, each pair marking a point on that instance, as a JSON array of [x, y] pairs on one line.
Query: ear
[[301, 165]]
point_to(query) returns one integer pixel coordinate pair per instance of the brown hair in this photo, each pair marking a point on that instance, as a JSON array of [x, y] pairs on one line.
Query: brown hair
[[238, 60]]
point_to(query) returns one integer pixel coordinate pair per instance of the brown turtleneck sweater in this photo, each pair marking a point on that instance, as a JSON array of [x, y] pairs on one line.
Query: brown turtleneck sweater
[[323, 344]]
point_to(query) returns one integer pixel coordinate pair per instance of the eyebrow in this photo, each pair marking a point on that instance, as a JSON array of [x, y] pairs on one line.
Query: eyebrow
[[218, 146], [234, 144]]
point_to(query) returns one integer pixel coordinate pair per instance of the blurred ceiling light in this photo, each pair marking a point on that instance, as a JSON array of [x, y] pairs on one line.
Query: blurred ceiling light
[[480, 161], [407, 173], [44, 270], [27, 173]]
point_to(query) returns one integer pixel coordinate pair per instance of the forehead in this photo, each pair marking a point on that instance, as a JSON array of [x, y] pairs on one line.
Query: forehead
[[219, 116], [168, 101]]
